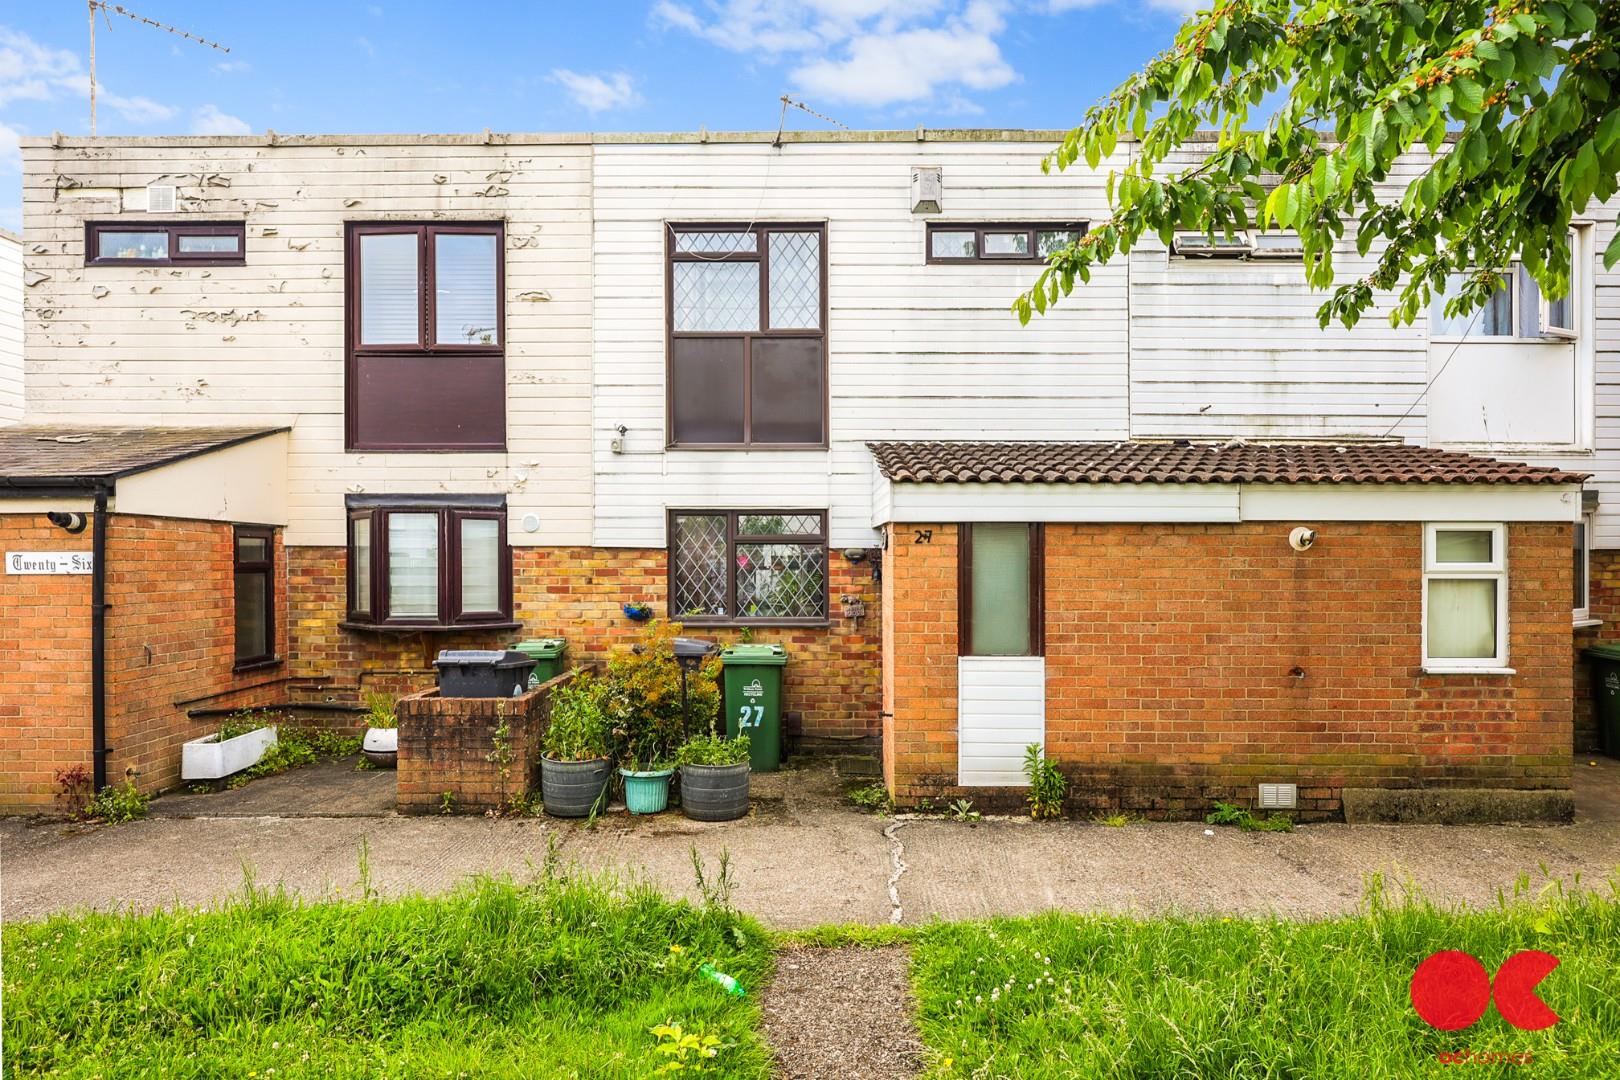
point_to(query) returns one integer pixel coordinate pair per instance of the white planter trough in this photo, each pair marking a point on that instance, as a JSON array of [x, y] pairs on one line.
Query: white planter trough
[[208, 758]]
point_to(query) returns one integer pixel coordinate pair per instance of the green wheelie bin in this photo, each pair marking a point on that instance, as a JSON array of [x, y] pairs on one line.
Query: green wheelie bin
[[1604, 662], [548, 654], [752, 678]]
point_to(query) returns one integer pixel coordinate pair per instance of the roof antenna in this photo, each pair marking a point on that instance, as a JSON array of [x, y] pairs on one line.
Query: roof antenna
[[104, 7], [782, 124]]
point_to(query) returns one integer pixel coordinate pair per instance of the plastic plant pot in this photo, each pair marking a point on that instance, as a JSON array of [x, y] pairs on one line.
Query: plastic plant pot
[[572, 788], [646, 791]]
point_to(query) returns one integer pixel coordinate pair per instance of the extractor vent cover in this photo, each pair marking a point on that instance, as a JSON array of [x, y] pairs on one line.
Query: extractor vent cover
[[160, 198], [1279, 796]]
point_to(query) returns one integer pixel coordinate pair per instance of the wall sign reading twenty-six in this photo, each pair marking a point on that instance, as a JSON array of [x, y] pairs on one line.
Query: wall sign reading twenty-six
[[49, 562]]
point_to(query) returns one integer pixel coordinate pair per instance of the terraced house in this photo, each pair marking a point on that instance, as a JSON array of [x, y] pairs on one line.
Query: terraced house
[[302, 411]]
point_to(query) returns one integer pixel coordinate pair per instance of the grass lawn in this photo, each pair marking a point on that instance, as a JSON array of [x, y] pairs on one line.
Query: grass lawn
[[560, 979], [1069, 996]]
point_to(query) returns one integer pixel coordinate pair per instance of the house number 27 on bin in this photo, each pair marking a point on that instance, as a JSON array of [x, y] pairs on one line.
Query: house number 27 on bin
[[752, 713]]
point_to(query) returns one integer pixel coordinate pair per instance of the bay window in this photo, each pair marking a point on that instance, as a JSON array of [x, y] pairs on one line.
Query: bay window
[[426, 367], [428, 562], [748, 566], [1464, 597]]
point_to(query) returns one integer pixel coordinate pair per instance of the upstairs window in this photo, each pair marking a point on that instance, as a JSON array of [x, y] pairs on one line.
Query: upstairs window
[[1464, 597], [1515, 310], [1247, 244], [747, 336], [426, 337], [424, 563], [1025, 242], [214, 243], [748, 566]]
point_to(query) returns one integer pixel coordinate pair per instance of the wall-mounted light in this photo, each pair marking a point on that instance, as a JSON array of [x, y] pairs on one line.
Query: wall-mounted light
[[855, 555], [69, 522], [1302, 538]]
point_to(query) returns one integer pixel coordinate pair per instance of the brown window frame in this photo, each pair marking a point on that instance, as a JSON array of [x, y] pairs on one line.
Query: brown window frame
[[487, 432], [451, 512], [1037, 590], [266, 567], [761, 255], [175, 230], [979, 228], [733, 538]]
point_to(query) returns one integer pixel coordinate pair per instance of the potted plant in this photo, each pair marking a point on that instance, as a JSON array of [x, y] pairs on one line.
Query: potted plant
[[650, 708], [381, 744], [574, 761], [238, 744], [714, 777]]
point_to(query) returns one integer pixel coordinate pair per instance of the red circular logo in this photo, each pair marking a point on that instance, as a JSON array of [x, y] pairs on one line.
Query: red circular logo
[[1451, 990]]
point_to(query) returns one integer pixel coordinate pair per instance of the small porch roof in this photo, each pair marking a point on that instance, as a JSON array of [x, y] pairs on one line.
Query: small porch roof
[[63, 456]]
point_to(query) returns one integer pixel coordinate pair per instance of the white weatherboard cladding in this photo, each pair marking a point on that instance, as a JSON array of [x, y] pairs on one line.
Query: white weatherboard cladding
[[916, 351], [11, 328], [1001, 709], [262, 343]]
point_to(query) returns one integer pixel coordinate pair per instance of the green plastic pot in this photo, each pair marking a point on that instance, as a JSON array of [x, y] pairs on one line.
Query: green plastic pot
[[646, 791]]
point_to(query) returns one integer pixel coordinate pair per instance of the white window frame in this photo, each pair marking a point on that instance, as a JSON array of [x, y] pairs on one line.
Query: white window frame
[[1496, 570], [1511, 283], [1582, 613]]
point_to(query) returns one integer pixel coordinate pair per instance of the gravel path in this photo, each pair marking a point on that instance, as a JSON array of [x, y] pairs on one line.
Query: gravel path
[[842, 1014]]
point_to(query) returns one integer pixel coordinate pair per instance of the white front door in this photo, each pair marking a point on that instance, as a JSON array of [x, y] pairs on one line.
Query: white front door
[[1000, 710]]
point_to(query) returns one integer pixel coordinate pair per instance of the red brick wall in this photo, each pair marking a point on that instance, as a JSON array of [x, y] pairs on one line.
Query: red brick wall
[[832, 688], [171, 642], [1168, 656], [485, 752], [44, 667], [170, 649], [1605, 605]]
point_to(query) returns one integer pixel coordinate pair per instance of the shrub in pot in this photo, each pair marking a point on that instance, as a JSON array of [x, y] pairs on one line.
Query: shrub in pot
[[574, 761], [714, 777], [381, 741], [649, 715]]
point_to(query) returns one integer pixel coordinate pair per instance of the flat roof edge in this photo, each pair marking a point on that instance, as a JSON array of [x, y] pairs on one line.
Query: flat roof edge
[[577, 138]]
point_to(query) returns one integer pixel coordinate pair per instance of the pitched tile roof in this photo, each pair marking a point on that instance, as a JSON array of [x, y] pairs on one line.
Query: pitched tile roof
[[76, 453], [1183, 462]]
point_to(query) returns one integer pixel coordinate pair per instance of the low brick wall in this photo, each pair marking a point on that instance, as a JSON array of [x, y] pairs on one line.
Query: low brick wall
[[485, 752]]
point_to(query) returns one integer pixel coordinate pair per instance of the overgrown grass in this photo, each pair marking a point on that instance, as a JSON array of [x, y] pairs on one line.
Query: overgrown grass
[[563, 978], [1068, 996]]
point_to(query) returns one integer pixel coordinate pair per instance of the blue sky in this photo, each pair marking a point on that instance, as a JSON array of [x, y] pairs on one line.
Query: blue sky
[[548, 65]]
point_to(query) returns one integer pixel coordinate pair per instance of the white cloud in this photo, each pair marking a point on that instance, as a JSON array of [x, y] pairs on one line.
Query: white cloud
[[365, 43], [227, 67], [210, 120], [598, 92], [30, 71], [1175, 7], [861, 52]]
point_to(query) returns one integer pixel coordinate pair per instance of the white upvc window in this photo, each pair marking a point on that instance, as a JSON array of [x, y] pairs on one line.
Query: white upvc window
[[1583, 570], [1516, 311], [1465, 602]]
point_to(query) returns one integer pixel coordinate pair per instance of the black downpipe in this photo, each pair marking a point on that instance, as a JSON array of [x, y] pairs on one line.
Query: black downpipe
[[98, 638]]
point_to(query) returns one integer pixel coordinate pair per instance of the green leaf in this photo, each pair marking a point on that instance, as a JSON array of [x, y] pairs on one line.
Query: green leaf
[[1611, 254], [1470, 95]]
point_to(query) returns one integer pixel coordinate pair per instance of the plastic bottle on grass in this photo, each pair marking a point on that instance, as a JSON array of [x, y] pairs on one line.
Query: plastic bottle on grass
[[722, 980]]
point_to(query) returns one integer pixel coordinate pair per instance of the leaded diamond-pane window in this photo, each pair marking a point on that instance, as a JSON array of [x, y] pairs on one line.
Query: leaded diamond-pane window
[[747, 360], [748, 566], [795, 280]]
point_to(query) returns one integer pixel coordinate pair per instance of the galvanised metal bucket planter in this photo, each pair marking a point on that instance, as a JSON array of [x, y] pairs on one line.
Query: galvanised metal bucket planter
[[572, 788], [714, 792], [646, 791]]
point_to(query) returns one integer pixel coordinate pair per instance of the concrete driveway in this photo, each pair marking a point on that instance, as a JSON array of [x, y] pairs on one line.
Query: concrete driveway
[[805, 859]]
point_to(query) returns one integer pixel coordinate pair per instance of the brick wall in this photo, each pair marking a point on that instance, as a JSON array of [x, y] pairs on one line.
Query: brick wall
[[485, 752], [832, 691], [1169, 649], [44, 667], [171, 642], [170, 648]]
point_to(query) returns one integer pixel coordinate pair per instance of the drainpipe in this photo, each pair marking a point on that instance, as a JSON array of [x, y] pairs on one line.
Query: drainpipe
[[98, 638]]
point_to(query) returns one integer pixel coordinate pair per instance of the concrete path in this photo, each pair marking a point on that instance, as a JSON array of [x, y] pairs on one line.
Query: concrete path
[[804, 859]]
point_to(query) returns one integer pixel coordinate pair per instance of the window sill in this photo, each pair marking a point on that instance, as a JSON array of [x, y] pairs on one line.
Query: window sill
[[752, 624], [425, 628], [1587, 624], [710, 447], [257, 665], [1439, 669]]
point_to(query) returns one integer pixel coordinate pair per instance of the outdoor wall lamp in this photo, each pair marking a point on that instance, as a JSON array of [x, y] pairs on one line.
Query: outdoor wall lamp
[[69, 522], [855, 555]]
